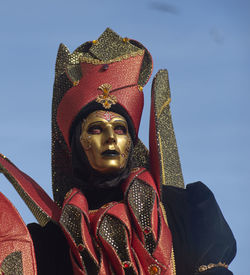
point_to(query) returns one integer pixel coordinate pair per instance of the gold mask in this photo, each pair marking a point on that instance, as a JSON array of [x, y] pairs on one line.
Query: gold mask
[[106, 141]]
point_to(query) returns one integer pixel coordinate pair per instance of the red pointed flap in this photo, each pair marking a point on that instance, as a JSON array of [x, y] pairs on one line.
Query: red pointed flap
[[40, 204], [16, 247]]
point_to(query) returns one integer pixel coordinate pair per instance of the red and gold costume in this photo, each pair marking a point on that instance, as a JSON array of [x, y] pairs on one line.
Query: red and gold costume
[[127, 236]]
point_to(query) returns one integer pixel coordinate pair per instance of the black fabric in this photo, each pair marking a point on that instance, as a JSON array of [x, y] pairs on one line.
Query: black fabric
[[200, 233], [51, 249]]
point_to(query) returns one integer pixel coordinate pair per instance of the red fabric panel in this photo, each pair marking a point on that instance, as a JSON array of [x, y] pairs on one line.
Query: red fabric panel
[[122, 76]]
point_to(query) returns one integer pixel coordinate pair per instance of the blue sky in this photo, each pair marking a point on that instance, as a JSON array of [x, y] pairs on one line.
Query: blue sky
[[204, 44]]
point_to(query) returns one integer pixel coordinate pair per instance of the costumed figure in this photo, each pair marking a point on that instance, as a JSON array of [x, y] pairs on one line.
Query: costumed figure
[[118, 208]]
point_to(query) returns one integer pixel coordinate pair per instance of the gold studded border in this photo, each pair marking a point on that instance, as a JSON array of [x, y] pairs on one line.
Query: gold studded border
[[117, 59]]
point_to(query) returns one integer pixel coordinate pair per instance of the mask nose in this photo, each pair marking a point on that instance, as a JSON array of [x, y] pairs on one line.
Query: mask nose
[[110, 137]]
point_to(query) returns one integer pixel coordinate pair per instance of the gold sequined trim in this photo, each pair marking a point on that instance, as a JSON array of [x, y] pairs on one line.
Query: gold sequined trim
[[162, 160], [93, 210], [117, 59], [12, 264], [170, 166], [209, 266], [163, 107], [164, 213], [173, 262]]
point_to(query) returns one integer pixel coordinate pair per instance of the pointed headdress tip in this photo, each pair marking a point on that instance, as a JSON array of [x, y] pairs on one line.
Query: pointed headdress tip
[[162, 71], [63, 53], [63, 47]]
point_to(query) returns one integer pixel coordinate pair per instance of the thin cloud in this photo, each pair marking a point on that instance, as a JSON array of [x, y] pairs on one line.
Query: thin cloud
[[164, 7], [216, 36]]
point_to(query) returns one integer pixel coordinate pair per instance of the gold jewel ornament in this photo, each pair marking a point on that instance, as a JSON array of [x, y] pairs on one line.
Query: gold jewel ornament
[[126, 264], [154, 269], [106, 99], [75, 83], [109, 144], [140, 88]]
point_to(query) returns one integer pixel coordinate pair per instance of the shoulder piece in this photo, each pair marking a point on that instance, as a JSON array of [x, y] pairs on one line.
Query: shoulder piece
[[39, 203], [202, 239], [164, 158]]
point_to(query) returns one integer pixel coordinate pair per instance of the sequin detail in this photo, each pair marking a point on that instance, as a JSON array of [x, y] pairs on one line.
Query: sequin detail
[[106, 62], [71, 220], [140, 156], [141, 198], [170, 173], [13, 264], [114, 233], [111, 46]]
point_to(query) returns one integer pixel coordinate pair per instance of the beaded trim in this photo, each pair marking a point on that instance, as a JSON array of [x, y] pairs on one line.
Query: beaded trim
[[117, 59], [209, 266]]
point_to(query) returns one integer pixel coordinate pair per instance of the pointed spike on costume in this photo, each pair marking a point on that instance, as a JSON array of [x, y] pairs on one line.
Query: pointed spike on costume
[[110, 45], [161, 78], [166, 162], [62, 59]]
